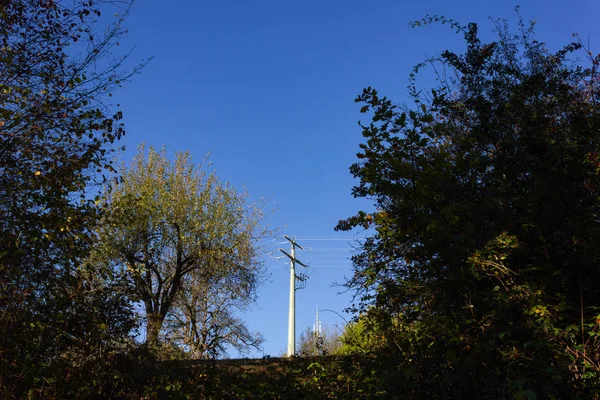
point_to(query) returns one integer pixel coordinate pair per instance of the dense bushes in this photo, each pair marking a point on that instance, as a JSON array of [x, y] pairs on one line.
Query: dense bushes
[[483, 271]]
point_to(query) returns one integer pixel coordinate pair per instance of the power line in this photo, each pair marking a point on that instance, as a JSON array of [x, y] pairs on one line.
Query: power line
[[329, 249], [316, 237], [328, 239], [332, 263], [338, 256], [268, 245]]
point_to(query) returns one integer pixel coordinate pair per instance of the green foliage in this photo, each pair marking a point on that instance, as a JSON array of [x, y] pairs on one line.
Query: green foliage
[[55, 135], [329, 377], [363, 336], [188, 244], [483, 265]]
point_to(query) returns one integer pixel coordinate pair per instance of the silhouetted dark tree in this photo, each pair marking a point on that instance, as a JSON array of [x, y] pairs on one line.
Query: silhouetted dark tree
[[56, 137], [487, 225]]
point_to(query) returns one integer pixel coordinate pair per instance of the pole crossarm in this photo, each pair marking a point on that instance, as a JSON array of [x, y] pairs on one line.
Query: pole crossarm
[[293, 258], [294, 243]]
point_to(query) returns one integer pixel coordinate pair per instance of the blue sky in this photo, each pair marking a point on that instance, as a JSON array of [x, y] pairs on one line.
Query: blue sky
[[268, 87]]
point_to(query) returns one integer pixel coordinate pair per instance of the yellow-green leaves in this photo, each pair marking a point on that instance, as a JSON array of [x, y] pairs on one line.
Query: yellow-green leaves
[[170, 222]]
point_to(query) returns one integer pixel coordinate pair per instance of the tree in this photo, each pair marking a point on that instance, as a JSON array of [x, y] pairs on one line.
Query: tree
[[56, 71], [203, 321], [362, 336], [173, 228], [487, 219], [326, 342]]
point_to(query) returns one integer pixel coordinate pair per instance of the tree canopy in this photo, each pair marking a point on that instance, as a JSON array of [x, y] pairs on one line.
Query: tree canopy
[[487, 219], [56, 137], [182, 236]]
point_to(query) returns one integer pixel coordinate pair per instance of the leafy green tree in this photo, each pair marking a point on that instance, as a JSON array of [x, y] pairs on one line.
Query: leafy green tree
[[487, 220], [362, 336], [174, 227], [56, 71]]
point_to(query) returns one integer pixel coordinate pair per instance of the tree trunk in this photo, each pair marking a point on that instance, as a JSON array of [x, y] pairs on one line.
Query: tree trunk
[[153, 326]]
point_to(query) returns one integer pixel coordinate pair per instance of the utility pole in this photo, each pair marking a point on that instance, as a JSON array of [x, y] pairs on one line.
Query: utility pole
[[318, 337], [317, 327], [296, 282]]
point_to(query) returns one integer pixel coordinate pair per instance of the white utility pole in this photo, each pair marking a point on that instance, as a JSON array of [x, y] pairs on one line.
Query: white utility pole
[[317, 330], [317, 324], [291, 348]]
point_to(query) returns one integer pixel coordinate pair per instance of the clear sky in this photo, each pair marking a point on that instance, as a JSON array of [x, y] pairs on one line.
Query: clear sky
[[268, 87]]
